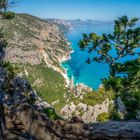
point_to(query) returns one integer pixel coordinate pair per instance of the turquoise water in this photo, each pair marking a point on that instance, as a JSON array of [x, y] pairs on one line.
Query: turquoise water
[[89, 74]]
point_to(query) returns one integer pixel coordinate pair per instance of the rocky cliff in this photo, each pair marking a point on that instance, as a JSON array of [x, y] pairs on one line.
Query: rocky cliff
[[22, 118], [37, 47], [28, 36]]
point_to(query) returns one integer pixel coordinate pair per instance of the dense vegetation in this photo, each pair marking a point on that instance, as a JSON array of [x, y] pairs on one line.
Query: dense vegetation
[[49, 84], [114, 49], [103, 117], [97, 97]]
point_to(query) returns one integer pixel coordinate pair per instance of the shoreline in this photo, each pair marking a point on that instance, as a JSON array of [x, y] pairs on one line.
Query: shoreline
[[63, 60], [65, 75]]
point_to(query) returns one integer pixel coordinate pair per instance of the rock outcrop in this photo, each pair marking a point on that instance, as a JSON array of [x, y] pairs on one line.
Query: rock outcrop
[[21, 118], [81, 89], [86, 112], [24, 121], [36, 48], [31, 40], [39, 127], [121, 108]]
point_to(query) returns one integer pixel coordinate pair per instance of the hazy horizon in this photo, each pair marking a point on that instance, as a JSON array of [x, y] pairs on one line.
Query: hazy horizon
[[102, 10]]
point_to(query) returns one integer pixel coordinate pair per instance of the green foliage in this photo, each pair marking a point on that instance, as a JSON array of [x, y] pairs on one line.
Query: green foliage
[[103, 117], [98, 97], [50, 112], [124, 77], [8, 15], [114, 83], [51, 85], [129, 81], [124, 41], [10, 74], [10, 68], [130, 68], [76, 102], [131, 100], [128, 86], [81, 112], [31, 100], [114, 115]]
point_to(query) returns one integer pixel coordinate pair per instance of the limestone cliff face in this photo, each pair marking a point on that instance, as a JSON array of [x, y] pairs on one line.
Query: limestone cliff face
[[37, 48], [29, 36], [86, 112]]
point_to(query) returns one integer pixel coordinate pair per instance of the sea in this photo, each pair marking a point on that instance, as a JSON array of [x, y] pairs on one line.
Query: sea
[[89, 74]]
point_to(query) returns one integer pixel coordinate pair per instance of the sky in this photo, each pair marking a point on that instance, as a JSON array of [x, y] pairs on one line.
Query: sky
[[79, 9]]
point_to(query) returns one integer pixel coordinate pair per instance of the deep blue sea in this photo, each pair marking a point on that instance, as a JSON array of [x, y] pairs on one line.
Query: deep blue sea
[[89, 74]]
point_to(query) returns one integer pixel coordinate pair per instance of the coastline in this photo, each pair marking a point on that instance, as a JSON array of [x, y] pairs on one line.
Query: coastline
[[63, 60], [65, 74]]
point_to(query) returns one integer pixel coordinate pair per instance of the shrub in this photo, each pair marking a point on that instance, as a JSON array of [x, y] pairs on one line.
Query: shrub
[[8, 15], [98, 97], [76, 102], [31, 100], [10, 74], [103, 117], [10, 68], [114, 114], [50, 112]]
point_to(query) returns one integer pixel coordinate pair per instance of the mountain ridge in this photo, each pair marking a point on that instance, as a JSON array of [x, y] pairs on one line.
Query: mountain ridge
[[70, 24], [37, 48]]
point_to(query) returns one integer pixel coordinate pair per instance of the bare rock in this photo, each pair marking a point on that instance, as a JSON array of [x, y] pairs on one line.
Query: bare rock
[[121, 107], [86, 112]]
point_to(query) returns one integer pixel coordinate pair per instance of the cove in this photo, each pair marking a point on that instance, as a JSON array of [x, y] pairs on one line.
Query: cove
[[89, 74]]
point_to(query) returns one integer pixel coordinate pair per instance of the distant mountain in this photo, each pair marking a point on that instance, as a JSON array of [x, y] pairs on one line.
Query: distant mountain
[[64, 25], [70, 24]]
